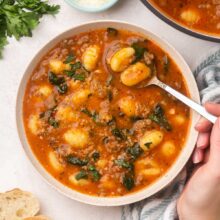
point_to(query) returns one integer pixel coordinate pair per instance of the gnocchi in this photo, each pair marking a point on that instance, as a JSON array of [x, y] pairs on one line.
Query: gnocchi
[[151, 172], [65, 113], [151, 139], [80, 96], [44, 91], [77, 138], [54, 162], [197, 15], [90, 57], [81, 182], [135, 74], [168, 149], [101, 164], [128, 106], [57, 66], [179, 119], [121, 59], [34, 124], [190, 16]]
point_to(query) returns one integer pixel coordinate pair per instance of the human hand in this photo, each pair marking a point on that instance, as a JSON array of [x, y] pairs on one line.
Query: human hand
[[201, 196]]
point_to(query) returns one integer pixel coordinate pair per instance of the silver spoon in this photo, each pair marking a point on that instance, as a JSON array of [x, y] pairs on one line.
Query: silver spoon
[[195, 106]]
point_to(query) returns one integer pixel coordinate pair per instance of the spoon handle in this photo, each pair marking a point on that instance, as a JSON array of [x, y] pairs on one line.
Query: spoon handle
[[195, 106]]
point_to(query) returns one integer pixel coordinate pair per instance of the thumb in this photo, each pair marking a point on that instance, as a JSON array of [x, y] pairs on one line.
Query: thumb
[[215, 146]]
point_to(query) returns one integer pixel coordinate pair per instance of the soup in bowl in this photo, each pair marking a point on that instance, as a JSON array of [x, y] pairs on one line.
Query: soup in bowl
[[197, 18], [88, 125]]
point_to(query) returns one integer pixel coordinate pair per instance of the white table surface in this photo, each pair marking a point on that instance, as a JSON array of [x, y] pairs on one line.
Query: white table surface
[[15, 169]]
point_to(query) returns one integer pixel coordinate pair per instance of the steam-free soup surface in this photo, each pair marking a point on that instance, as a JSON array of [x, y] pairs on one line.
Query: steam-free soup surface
[[203, 15], [90, 125]]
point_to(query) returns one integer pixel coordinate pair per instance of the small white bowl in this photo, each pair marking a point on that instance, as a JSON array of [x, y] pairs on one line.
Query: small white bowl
[[84, 8], [172, 172]]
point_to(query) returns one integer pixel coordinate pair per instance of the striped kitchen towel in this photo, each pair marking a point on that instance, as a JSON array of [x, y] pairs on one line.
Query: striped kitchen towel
[[162, 206]]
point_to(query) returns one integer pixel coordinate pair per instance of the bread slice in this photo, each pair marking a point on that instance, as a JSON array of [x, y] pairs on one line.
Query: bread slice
[[38, 217], [17, 205]]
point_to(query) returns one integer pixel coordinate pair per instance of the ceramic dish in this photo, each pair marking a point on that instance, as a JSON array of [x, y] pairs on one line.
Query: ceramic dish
[[103, 7], [179, 26], [179, 163]]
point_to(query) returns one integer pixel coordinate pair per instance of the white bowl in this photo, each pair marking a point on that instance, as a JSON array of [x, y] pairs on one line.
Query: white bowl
[[172, 172]]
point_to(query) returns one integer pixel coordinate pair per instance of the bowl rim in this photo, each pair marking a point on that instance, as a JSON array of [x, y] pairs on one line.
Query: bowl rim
[[178, 26], [132, 197], [104, 7]]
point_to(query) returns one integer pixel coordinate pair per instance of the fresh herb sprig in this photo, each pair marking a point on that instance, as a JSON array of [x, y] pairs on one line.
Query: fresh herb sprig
[[18, 18]]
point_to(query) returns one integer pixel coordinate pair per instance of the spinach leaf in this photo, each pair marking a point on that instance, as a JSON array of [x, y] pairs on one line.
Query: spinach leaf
[[80, 77], [53, 122], [95, 173], [93, 115], [166, 63], [124, 164], [136, 118], [54, 79], [69, 58], [128, 182], [49, 117], [109, 95], [109, 80], [139, 51], [76, 66], [148, 144], [135, 151], [81, 175], [118, 133], [76, 161], [63, 88], [159, 117], [112, 32], [96, 155], [73, 73]]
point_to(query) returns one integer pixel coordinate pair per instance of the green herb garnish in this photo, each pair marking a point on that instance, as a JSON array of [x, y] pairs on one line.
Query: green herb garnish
[[124, 164], [118, 133], [95, 173], [96, 156], [135, 151], [59, 82], [80, 77], [148, 144], [54, 79], [69, 58], [112, 32], [159, 117], [139, 51], [136, 118], [81, 175], [18, 18], [94, 115], [128, 182], [54, 123], [76, 161], [166, 63], [63, 88], [109, 80], [76, 66]]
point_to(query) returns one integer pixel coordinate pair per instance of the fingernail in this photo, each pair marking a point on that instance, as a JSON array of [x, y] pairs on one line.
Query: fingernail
[[197, 157]]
